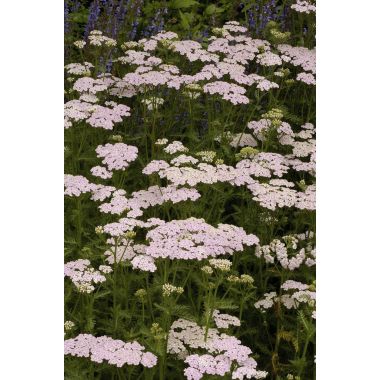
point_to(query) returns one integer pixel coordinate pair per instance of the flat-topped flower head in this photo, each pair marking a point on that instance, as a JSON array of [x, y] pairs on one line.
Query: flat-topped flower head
[[117, 156], [113, 351], [83, 275], [222, 354], [195, 239], [224, 321]]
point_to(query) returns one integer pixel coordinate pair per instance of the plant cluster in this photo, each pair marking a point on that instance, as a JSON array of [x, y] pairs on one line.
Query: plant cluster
[[190, 206]]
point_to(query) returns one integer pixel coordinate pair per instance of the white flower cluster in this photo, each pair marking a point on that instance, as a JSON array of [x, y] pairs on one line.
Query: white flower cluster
[[296, 293], [221, 264], [168, 290], [287, 251], [96, 38]]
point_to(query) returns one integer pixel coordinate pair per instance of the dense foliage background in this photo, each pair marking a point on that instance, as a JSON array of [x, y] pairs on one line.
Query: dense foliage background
[[134, 19]]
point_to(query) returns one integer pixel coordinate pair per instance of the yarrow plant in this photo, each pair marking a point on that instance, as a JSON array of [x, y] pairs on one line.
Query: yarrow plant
[[190, 185]]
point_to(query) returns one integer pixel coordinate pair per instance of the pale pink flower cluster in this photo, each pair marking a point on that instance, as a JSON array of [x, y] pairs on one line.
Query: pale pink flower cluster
[[96, 115], [280, 194], [140, 58], [90, 98], [145, 77], [163, 35], [84, 276], [106, 117], [261, 128], [193, 51], [75, 185], [264, 164], [91, 85], [101, 172], [236, 73], [224, 353], [76, 110], [220, 69], [302, 166], [291, 284], [224, 321], [101, 192], [175, 147], [143, 199], [200, 365], [183, 159], [155, 166], [269, 59], [303, 148], [195, 239], [112, 351], [117, 156], [307, 78], [79, 68], [156, 195], [303, 6], [119, 228], [229, 91], [127, 250], [234, 26], [148, 44], [237, 49], [122, 249], [202, 173], [144, 263], [299, 56]]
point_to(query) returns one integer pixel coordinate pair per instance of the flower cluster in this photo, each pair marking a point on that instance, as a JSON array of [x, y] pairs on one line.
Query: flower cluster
[[117, 156], [79, 68], [84, 276], [96, 38], [224, 321], [212, 138], [287, 251], [195, 239], [225, 353], [96, 116], [221, 264], [303, 6], [143, 199], [168, 290], [229, 91], [295, 294], [113, 351]]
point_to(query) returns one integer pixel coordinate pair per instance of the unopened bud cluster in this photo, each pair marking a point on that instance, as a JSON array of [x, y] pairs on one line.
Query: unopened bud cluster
[[168, 290]]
